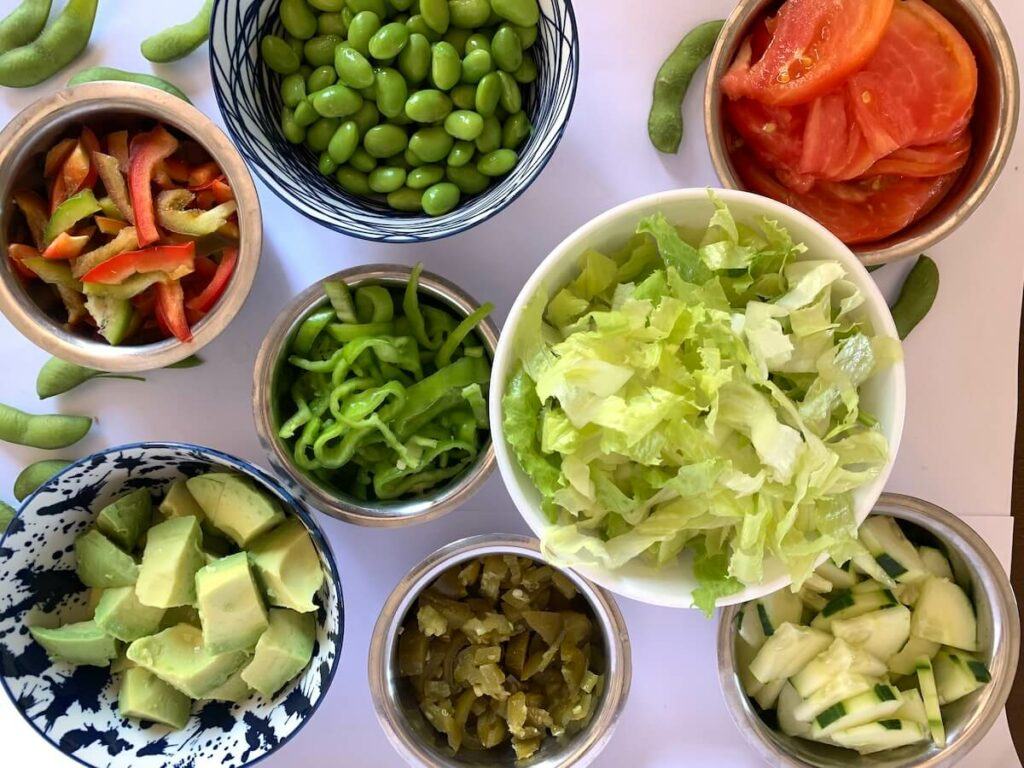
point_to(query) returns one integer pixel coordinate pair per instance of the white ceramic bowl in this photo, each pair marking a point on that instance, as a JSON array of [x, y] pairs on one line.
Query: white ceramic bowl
[[884, 395]]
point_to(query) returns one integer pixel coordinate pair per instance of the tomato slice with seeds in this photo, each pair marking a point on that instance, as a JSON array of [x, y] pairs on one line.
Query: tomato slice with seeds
[[815, 46], [773, 134]]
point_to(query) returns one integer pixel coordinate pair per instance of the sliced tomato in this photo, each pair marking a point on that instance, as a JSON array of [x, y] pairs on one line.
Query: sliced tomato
[[925, 162], [773, 134], [920, 85], [861, 211], [815, 46]]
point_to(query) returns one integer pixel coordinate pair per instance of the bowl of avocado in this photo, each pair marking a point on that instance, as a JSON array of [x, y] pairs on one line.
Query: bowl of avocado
[[167, 601]]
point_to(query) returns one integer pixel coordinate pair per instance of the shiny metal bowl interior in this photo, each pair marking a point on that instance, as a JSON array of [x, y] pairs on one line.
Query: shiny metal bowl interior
[[396, 708], [270, 367], [967, 720], [993, 126], [33, 131]]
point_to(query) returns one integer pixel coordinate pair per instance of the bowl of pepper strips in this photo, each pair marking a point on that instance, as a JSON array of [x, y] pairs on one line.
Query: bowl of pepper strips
[[130, 228]]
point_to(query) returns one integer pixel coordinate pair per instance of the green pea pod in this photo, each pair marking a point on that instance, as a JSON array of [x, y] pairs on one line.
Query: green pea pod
[[191, 361], [49, 432], [917, 296], [58, 45], [665, 123], [59, 376], [23, 25], [7, 513], [34, 475], [179, 41]]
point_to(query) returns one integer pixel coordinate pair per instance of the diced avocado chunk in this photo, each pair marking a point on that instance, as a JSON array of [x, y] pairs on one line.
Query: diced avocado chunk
[[288, 566], [234, 689], [145, 696], [178, 502], [124, 520], [120, 614], [83, 643], [172, 556], [230, 606], [180, 614], [234, 506], [113, 316], [121, 663], [100, 563], [944, 614], [282, 652], [178, 657]]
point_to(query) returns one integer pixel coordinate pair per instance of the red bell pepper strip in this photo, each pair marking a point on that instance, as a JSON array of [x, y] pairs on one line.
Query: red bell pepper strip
[[58, 192], [170, 310], [66, 246], [16, 252], [173, 259], [109, 226], [56, 156], [147, 150], [203, 174], [117, 146], [91, 144], [204, 301], [177, 169], [206, 268], [78, 170], [222, 191]]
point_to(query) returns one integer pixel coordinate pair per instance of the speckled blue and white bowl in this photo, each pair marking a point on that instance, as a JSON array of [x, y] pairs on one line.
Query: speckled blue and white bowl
[[75, 708]]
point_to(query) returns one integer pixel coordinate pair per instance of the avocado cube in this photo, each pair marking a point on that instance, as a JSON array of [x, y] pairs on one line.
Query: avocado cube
[[100, 563], [178, 502], [180, 614], [234, 506], [172, 556], [145, 696], [83, 643], [282, 652], [125, 520], [288, 566], [178, 657], [230, 606], [234, 690], [120, 614]]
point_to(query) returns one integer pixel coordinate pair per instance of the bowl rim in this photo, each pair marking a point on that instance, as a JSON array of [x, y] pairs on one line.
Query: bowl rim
[[930, 517], [269, 177], [104, 98], [399, 601], [269, 359], [992, 29], [250, 470], [568, 249]]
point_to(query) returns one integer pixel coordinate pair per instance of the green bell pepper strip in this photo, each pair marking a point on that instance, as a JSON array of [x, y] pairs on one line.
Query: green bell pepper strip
[[172, 216], [310, 329], [411, 307], [429, 395], [109, 170], [374, 304], [77, 207], [341, 299], [344, 332], [53, 272], [462, 330]]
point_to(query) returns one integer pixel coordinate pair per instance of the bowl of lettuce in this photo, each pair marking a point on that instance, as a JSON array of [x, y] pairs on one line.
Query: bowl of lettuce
[[698, 397]]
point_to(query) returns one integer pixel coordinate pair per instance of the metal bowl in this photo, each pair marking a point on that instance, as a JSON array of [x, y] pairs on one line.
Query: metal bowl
[[966, 720], [270, 362], [396, 709], [33, 130], [993, 126]]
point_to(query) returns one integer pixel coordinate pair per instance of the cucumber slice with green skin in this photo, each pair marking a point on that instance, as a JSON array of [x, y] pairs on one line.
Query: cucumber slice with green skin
[[908, 594], [843, 686], [847, 604], [866, 564], [879, 736], [113, 316], [769, 694], [787, 651], [745, 654], [905, 662], [877, 703], [944, 614], [935, 563], [926, 682], [762, 617], [840, 578], [840, 657], [815, 601], [913, 708], [892, 550], [816, 583], [788, 701], [881, 633], [957, 674]]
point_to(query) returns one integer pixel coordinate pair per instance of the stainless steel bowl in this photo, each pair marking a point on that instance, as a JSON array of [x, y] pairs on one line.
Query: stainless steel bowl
[[994, 124], [31, 133], [398, 714], [270, 362], [968, 719]]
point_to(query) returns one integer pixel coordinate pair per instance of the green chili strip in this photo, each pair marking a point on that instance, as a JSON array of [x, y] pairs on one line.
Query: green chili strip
[[411, 307], [462, 330], [374, 304]]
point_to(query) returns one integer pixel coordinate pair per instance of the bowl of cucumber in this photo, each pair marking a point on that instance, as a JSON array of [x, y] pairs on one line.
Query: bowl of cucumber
[[905, 654]]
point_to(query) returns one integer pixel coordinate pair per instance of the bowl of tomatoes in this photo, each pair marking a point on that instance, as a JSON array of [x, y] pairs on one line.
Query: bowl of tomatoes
[[130, 227], [888, 121]]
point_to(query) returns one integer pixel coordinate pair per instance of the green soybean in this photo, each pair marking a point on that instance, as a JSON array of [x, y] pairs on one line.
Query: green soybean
[[424, 176], [436, 14], [328, 6], [97, 74], [525, 13], [278, 55], [336, 101], [326, 164], [464, 124], [469, 14], [388, 41], [49, 431], [293, 89], [392, 92], [441, 198], [515, 130], [665, 122], [331, 24], [468, 179], [353, 181], [387, 179], [344, 142], [406, 200], [464, 96], [364, 26], [57, 45], [59, 376], [461, 154], [497, 163], [490, 139], [458, 38], [367, 117], [35, 475], [362, 160], [23, 25], [385, 141], [412, 159], [527, 72], [297, 45], [476, 64], [321, 78], [428, 106], [305, 113], [506, 49], [319, 50], [418, 26], [320, 133], [375, 6], [445, 66], [298, 19], [511, 97], [917, 296], [488, 94], [527, 34], [180, 40], [414, 60], [290, 129], [431, 144]]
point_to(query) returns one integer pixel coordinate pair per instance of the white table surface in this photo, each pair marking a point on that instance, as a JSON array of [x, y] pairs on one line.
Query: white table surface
[[962, 370]]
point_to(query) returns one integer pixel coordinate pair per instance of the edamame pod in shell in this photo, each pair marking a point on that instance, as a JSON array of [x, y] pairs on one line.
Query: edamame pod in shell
[[23, 25], [58, 45], [179, 41], [916, 296], [34, 475], [47, 431]]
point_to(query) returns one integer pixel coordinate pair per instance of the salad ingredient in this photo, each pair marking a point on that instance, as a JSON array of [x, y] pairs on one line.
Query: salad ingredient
[[48, 432], [916, 296], [35, 474], [179, 657], [686, 395], [83, 643], [287, 566], [121, 615], [7, 514], [235, 506], [281, 652], [145, 696], [172, 556], [57, 45], [870, 637], [125, 519], [59, 376], [381, 403], [96, 74], [23, 25], [665, 123], [180, 40], [230, 606], [502, 649], [101, 563]]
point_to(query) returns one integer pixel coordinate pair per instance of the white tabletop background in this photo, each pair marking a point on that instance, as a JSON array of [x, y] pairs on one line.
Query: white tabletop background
[[961, 363]]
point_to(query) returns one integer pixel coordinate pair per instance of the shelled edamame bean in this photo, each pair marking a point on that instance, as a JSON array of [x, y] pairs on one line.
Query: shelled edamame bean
[[416, 103]]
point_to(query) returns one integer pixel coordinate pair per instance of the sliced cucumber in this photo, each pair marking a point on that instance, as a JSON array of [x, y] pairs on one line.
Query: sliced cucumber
[[846, 604], [907, 594], [944, 614], [893, 552], [843, 686], [762, 617], [788, 701], [769, 694], [913, 708], [816, 583], [841, 578], [880, 633], [957, 674], [745, 654], [926, 682], [879, 736], [905, 662], [787, 651], [877, 703], [866, 564], [838, 658], [814, 601], [936, 563]]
